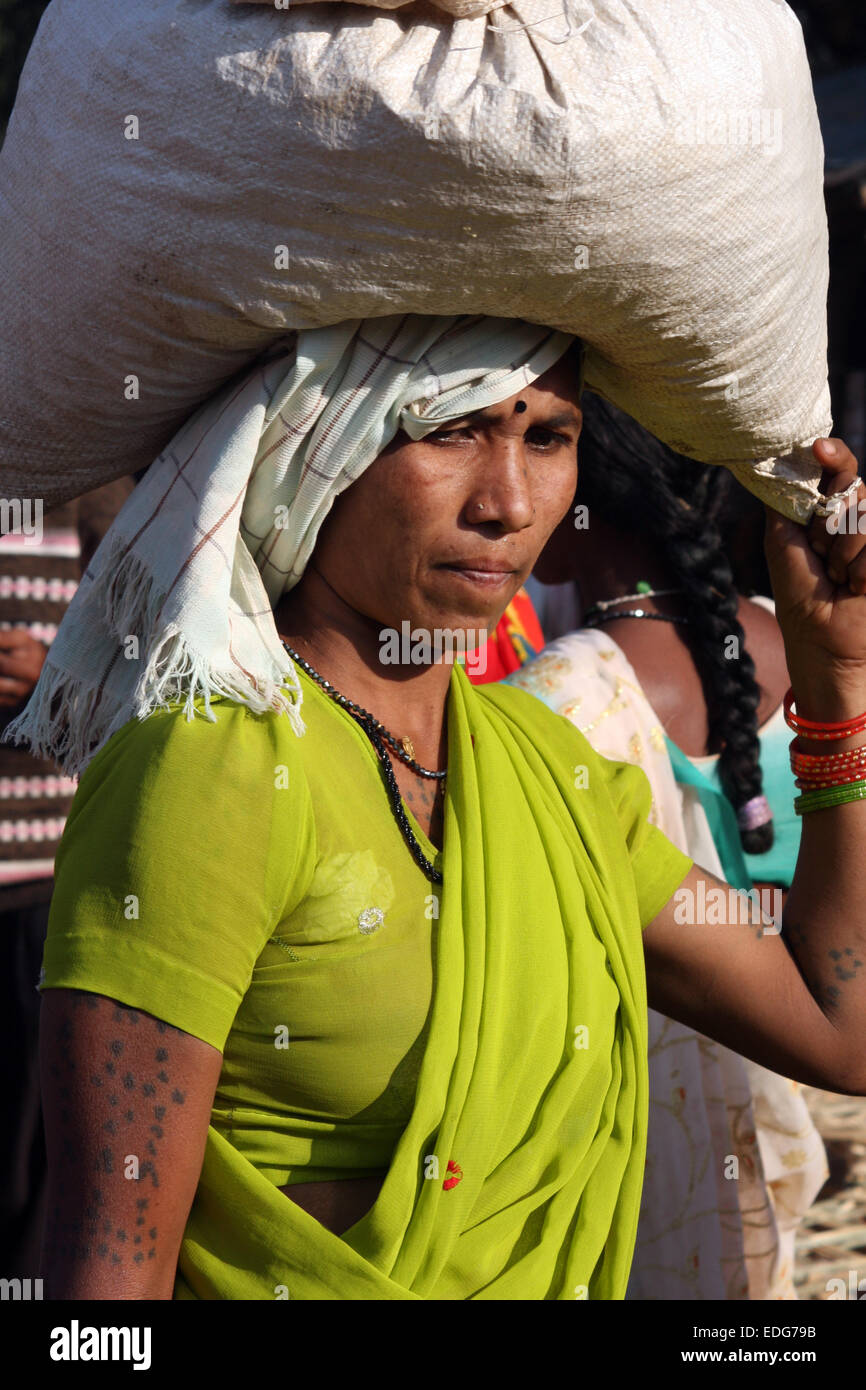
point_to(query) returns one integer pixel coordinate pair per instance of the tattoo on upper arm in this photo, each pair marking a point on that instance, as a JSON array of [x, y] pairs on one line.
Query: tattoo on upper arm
[[845, 963], [132, 1095]]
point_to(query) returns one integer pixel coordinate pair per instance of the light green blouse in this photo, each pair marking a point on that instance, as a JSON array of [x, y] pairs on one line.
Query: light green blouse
[[252, 888], [216, 875]]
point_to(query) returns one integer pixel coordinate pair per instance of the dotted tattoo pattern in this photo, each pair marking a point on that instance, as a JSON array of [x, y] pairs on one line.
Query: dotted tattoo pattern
[[845, 964], [130, 1097]]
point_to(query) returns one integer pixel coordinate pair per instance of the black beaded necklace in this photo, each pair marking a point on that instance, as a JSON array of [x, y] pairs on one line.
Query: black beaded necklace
[[379, 736], [596, 619], [605, 610]]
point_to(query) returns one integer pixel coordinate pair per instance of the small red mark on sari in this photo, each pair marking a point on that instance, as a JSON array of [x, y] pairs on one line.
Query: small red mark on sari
[[458, 1175]]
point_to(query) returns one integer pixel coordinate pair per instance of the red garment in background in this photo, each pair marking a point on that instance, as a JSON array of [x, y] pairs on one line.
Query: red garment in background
[[516, 638]]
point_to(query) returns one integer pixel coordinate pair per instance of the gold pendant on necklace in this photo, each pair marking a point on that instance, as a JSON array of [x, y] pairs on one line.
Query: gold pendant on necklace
[[408, 748]]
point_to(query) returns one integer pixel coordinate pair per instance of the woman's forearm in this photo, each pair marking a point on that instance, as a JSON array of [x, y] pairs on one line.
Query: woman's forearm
[[824, 919]]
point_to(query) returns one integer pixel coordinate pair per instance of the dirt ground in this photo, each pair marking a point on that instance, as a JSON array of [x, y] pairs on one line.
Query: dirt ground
[[832, 1240]]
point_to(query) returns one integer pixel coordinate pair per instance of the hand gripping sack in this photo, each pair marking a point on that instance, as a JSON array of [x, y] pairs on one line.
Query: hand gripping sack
[[185, 180]]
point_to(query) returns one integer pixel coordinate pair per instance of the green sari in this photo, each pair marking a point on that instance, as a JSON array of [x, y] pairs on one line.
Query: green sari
[[534, 1081]]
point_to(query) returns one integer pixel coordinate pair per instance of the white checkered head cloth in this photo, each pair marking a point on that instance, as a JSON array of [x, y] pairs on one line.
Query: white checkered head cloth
[[178, 600]]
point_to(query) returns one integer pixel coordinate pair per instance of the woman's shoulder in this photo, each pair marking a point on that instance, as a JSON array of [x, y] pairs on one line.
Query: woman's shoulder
[[526, 705], [570, 665], [609, 799], [177, 796], [765, 645], [227, 744]]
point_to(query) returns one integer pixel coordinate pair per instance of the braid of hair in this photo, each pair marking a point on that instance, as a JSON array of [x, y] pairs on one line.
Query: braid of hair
[[632, 480]]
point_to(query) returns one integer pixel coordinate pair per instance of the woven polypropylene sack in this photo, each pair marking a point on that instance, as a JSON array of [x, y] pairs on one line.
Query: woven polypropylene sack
[[185, 180]]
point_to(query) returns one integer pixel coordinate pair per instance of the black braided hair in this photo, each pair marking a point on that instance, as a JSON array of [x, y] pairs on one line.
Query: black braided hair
[[630, 479]]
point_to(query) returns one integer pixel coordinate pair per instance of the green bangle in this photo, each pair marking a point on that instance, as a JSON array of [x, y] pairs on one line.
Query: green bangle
[[823, 797]]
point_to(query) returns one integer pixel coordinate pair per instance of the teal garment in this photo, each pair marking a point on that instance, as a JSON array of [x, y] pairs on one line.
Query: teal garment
[[778, 864], [720, 814]]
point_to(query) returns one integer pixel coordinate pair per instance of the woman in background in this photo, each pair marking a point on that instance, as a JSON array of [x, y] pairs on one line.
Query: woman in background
[[661, 676]]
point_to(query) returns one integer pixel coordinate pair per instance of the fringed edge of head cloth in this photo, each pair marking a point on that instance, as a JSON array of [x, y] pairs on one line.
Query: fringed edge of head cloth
[[177, 602]]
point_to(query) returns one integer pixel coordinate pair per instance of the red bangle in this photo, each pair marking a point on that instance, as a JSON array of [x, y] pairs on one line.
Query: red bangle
[[829, 774], [794, 747], [812, 730], [811, 784], [819, 764]]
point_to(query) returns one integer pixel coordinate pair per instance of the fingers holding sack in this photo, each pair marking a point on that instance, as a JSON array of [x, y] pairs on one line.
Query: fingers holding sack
[[797, 574], [839, 534]]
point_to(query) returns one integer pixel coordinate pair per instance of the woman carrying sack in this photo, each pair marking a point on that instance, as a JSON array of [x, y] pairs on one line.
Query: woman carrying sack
[[406, 933]]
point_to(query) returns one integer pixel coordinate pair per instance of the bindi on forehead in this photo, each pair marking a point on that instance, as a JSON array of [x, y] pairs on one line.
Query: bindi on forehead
[[486, 418]]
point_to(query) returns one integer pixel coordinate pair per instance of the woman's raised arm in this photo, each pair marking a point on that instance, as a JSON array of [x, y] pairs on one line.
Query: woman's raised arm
[[127, 1102], [801, 1010]]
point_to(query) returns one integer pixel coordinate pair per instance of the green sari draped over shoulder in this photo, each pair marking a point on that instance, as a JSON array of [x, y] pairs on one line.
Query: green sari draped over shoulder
[[533, 1084]]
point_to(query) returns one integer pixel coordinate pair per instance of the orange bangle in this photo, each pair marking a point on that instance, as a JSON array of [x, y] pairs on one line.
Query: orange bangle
[[811, 729], [822, 764], [810, 784]]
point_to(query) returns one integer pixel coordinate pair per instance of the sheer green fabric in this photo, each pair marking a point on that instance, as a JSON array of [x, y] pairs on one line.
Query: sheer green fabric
[[530, 1067]]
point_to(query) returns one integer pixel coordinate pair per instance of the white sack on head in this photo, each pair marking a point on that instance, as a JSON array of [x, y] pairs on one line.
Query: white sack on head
[[182, 183], [460, 9], [178, 599]]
